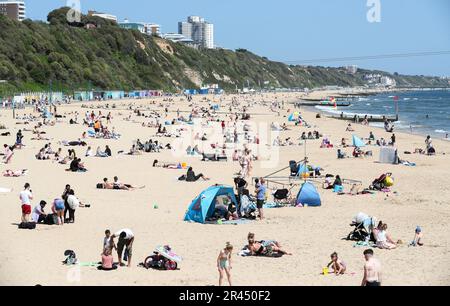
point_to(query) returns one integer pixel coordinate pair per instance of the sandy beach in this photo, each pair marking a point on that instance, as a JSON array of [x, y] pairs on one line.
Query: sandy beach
[[420, 196]]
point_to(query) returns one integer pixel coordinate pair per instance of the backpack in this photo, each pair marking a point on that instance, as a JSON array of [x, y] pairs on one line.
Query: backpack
[[51, 219], [27, 225]]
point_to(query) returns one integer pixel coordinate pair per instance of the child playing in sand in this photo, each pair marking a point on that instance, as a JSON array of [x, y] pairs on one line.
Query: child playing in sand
[[224, 263], [338, 266], [418, 236]]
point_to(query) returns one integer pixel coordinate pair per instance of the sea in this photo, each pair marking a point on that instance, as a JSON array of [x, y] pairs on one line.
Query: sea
[[424, 112]]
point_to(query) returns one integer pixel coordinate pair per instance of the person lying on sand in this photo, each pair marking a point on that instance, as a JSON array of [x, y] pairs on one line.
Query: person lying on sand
[[338, 266], [17, 173], [119, 186], [265, 247], [75, 143]]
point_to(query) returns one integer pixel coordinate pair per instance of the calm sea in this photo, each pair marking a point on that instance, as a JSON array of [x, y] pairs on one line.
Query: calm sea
[[422, 112]]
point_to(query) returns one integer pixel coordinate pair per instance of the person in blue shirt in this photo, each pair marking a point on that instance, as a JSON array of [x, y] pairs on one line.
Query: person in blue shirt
[[260, 197]]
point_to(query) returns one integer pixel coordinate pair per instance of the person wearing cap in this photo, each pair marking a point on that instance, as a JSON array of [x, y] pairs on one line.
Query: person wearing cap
[[58, 209]]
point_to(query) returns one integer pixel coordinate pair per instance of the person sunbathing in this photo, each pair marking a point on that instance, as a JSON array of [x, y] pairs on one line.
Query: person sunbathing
[[74, 143], [119, 186], [106, 184], [267, 249], [339, 267], [17, 173], [349, 128]]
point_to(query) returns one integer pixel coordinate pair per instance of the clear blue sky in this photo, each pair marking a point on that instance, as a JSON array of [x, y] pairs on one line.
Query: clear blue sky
[[292, 30]]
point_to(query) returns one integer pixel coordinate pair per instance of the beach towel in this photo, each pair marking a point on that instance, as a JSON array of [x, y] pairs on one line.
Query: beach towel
[[272, 205], [5, 190], [237, 222]]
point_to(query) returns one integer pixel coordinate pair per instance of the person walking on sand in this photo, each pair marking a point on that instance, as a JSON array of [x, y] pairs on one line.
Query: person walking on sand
[[224, 263], [372, 270], [25, 199]]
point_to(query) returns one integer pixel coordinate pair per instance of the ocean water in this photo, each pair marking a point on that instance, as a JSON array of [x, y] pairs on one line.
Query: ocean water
[[420, 112]]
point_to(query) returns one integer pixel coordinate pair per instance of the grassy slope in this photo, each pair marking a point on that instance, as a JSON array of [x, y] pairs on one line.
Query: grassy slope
[[33, 54]]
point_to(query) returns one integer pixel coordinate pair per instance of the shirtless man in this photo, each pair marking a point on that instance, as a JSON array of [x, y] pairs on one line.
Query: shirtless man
[[372, 270]]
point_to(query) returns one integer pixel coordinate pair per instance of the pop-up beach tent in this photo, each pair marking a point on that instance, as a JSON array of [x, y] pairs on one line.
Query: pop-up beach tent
[[388, 155], [357, 142], [308, 195], [203, 206]]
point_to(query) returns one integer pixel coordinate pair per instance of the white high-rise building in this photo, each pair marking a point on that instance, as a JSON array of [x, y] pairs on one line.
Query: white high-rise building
[[13, 9], [198, 30]]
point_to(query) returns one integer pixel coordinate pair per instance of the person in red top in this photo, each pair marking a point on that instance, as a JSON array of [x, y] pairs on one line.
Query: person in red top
[[223, 127]]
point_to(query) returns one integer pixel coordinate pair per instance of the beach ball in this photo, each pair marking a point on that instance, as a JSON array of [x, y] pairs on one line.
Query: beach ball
[[389, 181]]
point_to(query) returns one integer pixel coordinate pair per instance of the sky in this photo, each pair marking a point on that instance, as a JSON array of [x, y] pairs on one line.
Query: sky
[[294, 31]]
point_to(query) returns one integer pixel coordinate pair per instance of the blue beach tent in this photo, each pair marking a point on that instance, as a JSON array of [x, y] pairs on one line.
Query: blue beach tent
[[203, 206], [308, 195], [357, 142], [303, 169]]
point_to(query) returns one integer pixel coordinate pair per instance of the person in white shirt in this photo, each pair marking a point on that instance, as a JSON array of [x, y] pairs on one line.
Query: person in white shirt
[[126, 239], [89, 152], [73, 204], [38, 215], [25, 200]]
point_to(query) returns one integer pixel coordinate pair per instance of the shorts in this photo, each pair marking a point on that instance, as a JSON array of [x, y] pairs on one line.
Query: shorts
[[26, 209], [59, 205], [373, 284], [259, 204], [121, 244]]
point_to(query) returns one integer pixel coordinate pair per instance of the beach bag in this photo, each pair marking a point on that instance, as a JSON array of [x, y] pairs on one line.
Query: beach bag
[[182, 178], [71, 257], [99, 186], [27, 225], [51, 219]]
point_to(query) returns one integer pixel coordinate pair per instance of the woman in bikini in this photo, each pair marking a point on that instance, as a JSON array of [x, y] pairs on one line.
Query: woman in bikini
[[224, 263]]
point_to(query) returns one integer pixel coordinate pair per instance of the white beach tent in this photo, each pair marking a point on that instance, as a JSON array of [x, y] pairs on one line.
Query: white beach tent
[[388, 155]]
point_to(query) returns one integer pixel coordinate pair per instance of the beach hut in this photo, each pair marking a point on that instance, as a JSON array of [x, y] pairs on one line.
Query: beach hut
[[203, 206], [308, 195], [357, 142]]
